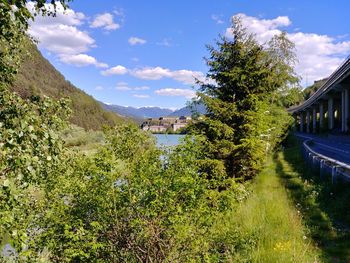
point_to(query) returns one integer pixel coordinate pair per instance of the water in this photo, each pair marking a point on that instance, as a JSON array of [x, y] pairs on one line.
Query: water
[[168, 139]]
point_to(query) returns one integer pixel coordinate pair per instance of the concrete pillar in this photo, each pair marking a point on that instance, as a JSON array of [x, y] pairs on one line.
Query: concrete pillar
[[314, 116], [308, 121], [330, 114], [321, 116], [346, 109], [301, 121]]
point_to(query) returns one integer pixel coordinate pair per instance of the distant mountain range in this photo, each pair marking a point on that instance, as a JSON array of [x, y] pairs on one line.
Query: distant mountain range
[[188, 111], [151, 112]]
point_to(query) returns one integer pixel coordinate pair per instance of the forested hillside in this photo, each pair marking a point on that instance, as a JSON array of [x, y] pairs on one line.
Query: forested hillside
[[38, 77], [307, 92]]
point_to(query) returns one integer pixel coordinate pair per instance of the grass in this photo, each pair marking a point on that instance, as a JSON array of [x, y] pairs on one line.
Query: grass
[[86, 142], [270, 216], [325, 207]]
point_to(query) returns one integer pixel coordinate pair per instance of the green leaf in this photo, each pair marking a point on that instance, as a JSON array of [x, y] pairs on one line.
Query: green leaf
[[6, 183]]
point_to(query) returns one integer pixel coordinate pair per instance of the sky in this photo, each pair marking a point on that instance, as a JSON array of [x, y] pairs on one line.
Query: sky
[[148, 53]]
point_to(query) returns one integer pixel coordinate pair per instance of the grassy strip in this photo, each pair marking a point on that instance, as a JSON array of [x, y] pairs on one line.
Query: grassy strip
[[325, 207], [271, 218]]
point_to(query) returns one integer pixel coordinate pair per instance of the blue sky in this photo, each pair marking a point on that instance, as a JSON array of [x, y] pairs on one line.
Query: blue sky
[[146, 53]]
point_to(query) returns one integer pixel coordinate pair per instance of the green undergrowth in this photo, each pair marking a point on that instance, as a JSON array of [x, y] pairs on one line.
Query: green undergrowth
[[78, 138], [324, 207], [271, 220]]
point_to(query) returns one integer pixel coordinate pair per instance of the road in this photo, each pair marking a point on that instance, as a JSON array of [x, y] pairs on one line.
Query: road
[[333, 146]]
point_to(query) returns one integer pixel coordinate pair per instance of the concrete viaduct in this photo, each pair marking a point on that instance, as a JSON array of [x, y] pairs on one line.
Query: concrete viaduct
[[328, 109]]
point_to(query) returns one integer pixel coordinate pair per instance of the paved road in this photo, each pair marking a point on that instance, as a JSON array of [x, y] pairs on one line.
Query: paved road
[[335, 147]]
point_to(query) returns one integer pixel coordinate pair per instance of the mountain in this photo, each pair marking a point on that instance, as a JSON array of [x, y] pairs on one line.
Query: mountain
[[151, 112], [138, 113], [38, 77], [187, 111]]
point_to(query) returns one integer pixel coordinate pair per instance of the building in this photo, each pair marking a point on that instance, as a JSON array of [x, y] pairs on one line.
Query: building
[[167, 120], [157, 128], [164, 124], [177, 126], [184, 119]]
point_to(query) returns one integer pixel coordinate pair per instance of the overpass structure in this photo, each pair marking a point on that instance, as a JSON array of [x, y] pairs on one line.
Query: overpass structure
[[328, 108]]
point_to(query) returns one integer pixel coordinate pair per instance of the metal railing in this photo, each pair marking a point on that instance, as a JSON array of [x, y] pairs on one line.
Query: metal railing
[[325, 165]]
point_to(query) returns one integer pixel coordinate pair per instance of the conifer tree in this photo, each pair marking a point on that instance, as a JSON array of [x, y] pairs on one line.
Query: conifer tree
[[243, 121]]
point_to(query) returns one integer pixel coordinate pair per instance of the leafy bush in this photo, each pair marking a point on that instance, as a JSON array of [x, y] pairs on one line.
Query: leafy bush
[[131, 202], [30, 153]]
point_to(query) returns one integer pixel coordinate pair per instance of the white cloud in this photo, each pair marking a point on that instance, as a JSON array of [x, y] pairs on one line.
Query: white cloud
[[82, 60], [142, 88], [136, 41], [63, 16], [99, 88], [141, 96], [184, 76], [318, 55], [187, 76], [61, 36], [150, 73], [104, 21], [165, 42], [156, 73], [122, 83], [217, 18], [123, 86], [263, 28], [187, 93], [117, 70]]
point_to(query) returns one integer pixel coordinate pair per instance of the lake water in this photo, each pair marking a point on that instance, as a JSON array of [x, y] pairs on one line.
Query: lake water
[[168, 139]]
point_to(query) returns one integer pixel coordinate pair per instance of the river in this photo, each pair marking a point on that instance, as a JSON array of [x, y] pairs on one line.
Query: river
[[168, 139]]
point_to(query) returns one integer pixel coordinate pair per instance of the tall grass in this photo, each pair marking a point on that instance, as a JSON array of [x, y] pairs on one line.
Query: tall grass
[[325, 207], [271, 218], [84, 141]]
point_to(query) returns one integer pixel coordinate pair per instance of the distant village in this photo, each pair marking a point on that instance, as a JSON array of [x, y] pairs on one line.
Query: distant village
[[166, 124]]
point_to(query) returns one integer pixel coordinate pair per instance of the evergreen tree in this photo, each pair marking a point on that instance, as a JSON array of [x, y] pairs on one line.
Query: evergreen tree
[[243, 121]]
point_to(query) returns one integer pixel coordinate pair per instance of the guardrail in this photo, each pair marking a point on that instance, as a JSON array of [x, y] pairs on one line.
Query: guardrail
[[325, 165]]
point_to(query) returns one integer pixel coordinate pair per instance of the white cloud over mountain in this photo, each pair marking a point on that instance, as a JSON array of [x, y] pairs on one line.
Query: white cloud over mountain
[[318, 55], [82, 60], [61, 35], [151, 73], [184, 76], [122, 86], [187, 93], [117, 70], [156, 73]]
